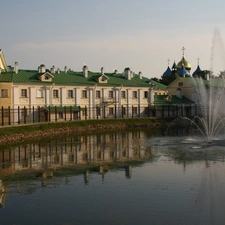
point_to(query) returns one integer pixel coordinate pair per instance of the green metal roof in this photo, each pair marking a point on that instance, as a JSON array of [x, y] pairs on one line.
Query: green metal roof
[[77, 78], [164, 100]]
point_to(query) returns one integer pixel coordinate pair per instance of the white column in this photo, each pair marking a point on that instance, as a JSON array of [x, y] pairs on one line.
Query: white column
[[63, 96], [47, 96], [77, 96], [129, 106], [151, 96], [140, 96], [16, 95], [117, 102], [91, 103], [104, 98], [32, 96], [140, 100], [15, 102]]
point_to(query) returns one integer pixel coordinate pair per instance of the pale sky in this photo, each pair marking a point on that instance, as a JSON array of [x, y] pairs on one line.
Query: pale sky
[[114, 34]]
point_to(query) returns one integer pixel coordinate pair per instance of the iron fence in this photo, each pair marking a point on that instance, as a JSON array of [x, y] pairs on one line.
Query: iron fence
[[27, 115]]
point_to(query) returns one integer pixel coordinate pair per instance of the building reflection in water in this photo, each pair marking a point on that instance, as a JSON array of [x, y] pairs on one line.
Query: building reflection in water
[[98, 149]]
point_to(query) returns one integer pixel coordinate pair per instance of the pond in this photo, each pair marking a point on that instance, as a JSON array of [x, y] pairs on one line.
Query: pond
[[128, 177]]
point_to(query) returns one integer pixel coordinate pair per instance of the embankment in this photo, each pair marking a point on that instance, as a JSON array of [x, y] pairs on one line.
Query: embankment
[[25, 133]]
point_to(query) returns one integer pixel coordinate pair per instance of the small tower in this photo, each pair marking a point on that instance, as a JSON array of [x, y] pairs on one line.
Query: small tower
[[16, 67], [140, 75], [52, 69], [127, 73], [102, 71], [65, 69], [85, 71]]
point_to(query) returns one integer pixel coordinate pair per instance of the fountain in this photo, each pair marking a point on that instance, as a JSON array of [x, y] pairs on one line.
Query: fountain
[[210, 119], [210, 95]]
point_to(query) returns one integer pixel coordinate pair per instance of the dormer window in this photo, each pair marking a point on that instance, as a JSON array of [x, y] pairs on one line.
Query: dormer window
[[103, 79], [46, 77]]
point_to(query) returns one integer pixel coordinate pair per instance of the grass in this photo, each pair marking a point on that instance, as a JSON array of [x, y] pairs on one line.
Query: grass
[[28, 128]]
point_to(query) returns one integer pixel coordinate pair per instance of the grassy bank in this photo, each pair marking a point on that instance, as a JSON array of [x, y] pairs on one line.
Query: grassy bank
[[21, 133]]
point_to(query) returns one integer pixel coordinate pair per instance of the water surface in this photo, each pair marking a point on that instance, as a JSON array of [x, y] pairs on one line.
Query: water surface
[[133, 177]]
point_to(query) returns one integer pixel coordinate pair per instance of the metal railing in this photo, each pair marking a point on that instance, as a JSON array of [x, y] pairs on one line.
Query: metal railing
[[27, 115]]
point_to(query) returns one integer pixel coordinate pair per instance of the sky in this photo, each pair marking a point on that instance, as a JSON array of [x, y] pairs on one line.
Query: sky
[[144, 35]]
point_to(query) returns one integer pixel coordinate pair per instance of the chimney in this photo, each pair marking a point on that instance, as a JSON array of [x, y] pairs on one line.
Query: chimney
[[16, 67], [65, 69], [115, 72], [85, 71], [140, 75], [41, 68], [102, 70], [127, 73], [58, 71], [53, 69]]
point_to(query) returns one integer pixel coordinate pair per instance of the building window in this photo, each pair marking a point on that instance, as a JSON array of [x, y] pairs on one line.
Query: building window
[[146, 94], [123, 94], [134, 94], [60, 115], [24, 93], [39, 93], [55, 93], [134, 111], [47, 77], [111, 111], [98, 94], [84, 94], [70, 93], [4, 93], [110, 94], [180, 84]]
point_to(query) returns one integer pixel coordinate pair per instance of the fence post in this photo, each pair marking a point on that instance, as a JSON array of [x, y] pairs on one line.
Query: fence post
[[132, 111], [18, 115], [85, 110], [97, 111], [33, 113], [2, 116], [79, 116], [55, 113], [9, 115], [24, 115], [49, 113], [39, 114], [71, 115], [65, 111]]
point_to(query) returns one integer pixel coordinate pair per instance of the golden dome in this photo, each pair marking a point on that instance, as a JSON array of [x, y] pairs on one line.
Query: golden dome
[[184, 62]]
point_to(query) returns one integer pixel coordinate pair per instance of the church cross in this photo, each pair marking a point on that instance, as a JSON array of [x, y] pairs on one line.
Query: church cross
[[183, 49]]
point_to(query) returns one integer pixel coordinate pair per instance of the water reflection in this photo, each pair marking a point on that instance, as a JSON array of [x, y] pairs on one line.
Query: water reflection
[[114, 178], [75, 151]]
